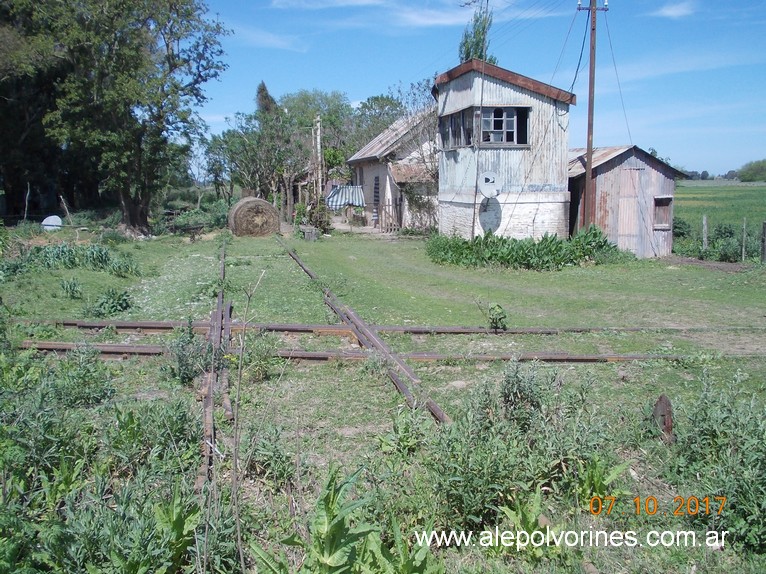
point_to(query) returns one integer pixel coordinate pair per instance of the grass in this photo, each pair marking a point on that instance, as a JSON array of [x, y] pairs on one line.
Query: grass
[[337, 411], [722, 202]]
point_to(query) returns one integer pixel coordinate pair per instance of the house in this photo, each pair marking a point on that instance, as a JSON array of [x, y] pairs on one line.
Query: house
[[503, 141], [397, 171], [633, 197]]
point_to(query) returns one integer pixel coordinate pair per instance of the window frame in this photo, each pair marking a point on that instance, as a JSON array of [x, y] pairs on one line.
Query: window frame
[[463, 127], [663, 211]]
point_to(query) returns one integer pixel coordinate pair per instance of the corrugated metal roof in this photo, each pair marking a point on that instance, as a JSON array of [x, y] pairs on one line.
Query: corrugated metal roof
[[344, 195], [409, 173], [602, 155], [505, 76], [390, 139]]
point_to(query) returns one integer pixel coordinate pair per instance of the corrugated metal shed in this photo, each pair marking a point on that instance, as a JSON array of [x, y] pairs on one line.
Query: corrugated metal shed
[[633, 194]]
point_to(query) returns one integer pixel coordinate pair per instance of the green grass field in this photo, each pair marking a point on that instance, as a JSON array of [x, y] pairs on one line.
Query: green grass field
[[349, 413], [722, 202]]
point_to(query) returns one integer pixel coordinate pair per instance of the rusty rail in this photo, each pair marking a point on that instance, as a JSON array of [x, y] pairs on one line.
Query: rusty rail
[[367, 337], [124, 350], [344, 329]]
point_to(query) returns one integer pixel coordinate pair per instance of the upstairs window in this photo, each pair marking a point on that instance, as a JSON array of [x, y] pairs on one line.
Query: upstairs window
[[505, 126], [497, 126]]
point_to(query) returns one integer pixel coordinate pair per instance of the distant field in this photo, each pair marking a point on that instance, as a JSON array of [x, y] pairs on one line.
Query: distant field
[[722, 202]]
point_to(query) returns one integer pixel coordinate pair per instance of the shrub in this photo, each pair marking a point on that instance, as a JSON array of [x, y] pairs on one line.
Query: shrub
[[191, 354], [81, 379], [110, 303], [721, 452], [548, 254], [681, 228]]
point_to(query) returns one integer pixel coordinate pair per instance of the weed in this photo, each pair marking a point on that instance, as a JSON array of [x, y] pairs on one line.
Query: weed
[[260, 357], [721, 452], [497, 318], [407, 435], [191, 354], [81, 379], [72, 288], [548, 254], [267, 458], [109, 303]]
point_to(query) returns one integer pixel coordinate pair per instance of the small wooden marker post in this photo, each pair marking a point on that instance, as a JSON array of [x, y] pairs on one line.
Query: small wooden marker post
[[763, 243], [704, 232]]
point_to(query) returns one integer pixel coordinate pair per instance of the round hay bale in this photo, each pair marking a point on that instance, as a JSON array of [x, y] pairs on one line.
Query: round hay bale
[[253, 217]]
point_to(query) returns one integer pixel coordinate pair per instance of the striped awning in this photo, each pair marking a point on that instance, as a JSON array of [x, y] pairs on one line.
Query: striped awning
[[343, 195]]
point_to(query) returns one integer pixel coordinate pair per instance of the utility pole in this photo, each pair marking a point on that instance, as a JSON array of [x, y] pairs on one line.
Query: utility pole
[[319, 165], [589, 200]]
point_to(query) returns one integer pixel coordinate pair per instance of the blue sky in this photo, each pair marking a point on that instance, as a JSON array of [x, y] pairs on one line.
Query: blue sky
[[686, 77]]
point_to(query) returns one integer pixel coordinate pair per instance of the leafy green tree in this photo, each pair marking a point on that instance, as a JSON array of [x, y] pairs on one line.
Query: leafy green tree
[[475, 41], [374, 115], [753, 171], [29, 67], [137, 70]]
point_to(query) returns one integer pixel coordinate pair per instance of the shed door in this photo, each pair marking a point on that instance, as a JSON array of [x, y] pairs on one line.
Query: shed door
[[627, 219]]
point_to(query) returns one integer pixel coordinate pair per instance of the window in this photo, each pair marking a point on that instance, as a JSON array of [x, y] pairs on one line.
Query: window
[[500, 125], [662, 212], [505, 125]]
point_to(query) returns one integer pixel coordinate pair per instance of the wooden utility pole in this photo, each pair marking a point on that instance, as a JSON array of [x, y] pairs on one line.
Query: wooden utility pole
[[589, 200], [319, 165]]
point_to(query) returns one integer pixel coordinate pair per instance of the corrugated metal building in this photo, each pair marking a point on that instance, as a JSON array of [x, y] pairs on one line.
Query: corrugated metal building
[[503, 153], [634, 198]]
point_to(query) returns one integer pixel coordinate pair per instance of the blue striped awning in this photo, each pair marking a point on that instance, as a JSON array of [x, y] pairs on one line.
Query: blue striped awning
[[343, 195]]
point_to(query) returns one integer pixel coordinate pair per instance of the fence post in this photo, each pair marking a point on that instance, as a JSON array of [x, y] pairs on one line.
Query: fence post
[[744, 237], [763, 243], [704, 232]]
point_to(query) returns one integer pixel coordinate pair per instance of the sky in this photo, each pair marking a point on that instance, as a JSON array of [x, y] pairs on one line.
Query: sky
[[685, 77]]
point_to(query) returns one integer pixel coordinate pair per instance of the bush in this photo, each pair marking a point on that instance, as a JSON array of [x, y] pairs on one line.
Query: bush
[[111, 302], [81, 379], [721, 452], [681, 228], [548, 254]]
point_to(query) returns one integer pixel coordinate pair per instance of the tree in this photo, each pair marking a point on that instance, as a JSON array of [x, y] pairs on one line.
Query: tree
[[137, 70], [475, 41], [704, 175], [753, 171], [374, 115]]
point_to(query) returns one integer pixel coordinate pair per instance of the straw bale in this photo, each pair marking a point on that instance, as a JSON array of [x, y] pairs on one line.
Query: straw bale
[[254, 217]]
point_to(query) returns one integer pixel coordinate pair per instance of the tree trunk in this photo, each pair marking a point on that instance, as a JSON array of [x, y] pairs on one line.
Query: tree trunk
[[135, 213]]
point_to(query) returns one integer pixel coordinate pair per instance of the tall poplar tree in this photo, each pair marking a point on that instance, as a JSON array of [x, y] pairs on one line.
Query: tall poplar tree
[[475, 41]]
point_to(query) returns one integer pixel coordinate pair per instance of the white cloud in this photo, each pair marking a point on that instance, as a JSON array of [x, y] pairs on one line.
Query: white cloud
[[322, 4], [262, 39], [676, 10]]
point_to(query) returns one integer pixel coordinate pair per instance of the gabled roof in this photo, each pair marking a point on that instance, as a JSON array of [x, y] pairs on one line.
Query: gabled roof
[[602, 155], [505, 76], [388, 141]]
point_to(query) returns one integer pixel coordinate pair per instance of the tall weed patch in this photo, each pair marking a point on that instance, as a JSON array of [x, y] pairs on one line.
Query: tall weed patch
[[527, 433], [721, 451], [548, 254], [64, 255]]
